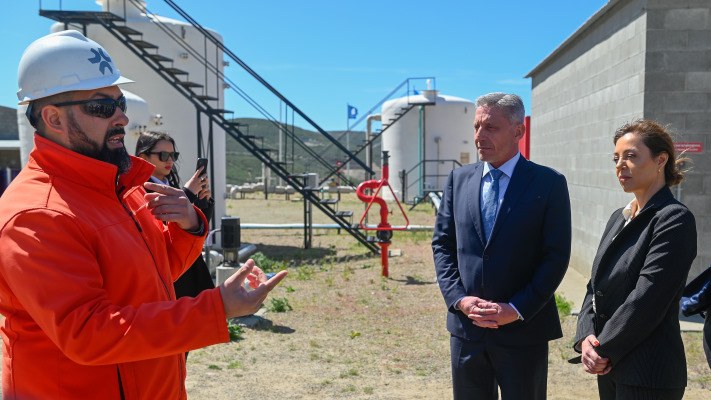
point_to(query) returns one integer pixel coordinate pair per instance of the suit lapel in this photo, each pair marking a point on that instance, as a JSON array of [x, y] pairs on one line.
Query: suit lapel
[[521, 178], [605, 245], [473, 188], [618, 231]]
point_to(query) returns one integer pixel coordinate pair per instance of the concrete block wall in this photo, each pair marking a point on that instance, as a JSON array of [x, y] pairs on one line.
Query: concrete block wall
[[637, 58], [678, 93], [579, 99]]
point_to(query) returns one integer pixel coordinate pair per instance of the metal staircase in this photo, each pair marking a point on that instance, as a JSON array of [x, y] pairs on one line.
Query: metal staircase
[[408, 86], [200, 97]]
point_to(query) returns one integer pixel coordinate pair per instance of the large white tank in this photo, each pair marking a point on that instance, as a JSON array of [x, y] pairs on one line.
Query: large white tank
[[167, 110], [439, 127]]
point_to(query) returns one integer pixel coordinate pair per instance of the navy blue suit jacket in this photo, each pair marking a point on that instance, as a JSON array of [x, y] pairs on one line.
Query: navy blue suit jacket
[[524, 261]]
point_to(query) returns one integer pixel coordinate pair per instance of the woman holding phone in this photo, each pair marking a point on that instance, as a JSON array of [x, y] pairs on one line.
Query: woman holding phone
[[158, 148], [628, 326]]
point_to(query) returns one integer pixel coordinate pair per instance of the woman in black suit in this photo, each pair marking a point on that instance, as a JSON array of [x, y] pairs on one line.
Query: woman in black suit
[[628, 327], [158, 148]]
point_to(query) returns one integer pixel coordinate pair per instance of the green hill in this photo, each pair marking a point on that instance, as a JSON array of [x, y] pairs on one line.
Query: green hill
[[243, 167]]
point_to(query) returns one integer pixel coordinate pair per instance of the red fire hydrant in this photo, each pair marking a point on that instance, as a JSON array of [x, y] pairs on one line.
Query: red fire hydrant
[[384, 229]]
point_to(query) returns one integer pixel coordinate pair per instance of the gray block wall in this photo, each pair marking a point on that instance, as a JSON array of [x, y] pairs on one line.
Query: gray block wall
[[580, 96], [678, 92]]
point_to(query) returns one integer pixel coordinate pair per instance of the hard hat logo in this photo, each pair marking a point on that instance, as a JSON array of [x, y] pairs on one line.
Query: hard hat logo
[[98, 56]]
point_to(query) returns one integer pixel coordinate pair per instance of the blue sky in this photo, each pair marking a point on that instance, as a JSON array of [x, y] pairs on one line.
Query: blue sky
[[323, 55]]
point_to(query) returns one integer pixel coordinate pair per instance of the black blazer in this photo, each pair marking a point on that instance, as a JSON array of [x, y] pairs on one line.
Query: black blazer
[[632, 299], [524, 261]]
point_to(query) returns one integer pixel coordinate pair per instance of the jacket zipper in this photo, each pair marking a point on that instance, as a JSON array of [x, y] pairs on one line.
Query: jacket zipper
[[140, 232]]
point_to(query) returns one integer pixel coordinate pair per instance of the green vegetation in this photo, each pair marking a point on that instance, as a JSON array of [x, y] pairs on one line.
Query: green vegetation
[[266, 264], [564, 306], [279, 304], [235, 331], [234, 365], [243, 167], [350, 372], [305, 273]]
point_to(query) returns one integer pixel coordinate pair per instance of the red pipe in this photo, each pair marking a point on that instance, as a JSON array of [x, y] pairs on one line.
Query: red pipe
[[384, 228], [373, 184], [383, 225]]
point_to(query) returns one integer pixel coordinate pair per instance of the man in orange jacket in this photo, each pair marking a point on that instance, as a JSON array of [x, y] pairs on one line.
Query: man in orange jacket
[[86, 262]]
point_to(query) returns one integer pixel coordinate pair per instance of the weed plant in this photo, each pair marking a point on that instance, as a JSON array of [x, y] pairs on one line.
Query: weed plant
[[564, 306], [279, 304]]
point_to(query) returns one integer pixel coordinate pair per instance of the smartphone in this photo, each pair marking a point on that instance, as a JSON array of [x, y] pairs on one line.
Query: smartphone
[[201, 162]]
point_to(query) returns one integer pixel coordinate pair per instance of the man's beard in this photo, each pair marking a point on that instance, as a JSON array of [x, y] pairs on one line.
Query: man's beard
[[83, 145]]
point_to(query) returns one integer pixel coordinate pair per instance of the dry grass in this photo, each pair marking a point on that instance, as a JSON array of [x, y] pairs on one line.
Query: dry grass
[[354, 334]]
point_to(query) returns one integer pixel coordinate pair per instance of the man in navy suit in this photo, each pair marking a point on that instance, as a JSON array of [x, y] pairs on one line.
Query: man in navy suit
[[501, 247]]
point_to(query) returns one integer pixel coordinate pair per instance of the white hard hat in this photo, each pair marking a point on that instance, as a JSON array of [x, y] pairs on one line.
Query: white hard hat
[[62, 62]]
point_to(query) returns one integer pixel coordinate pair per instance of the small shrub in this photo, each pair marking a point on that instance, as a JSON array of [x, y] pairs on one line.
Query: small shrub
[[329, 281], [564, 306], [350, 372], [235, 331], [304, 273], [235, 365], [347, 272], [266, 264], [279, 304]]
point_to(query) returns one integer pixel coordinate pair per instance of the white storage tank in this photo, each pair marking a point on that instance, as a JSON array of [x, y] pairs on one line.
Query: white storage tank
[[164, 108], [426, 141]]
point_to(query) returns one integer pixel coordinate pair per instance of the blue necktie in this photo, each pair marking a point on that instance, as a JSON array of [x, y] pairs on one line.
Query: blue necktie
[[491, 202]]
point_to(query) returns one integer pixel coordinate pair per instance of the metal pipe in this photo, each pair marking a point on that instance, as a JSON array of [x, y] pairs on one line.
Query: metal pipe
[[437, 139], [368, 134], [323, 226]]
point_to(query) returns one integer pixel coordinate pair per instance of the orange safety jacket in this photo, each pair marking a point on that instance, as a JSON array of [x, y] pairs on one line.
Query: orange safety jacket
[[86, 275]]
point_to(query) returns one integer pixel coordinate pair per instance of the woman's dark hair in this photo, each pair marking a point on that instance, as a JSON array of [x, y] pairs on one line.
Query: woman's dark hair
[[145, 144], [658, 140]]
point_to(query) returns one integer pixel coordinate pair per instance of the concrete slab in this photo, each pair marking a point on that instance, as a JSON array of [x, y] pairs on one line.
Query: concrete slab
[[253, 320], [691, 324]]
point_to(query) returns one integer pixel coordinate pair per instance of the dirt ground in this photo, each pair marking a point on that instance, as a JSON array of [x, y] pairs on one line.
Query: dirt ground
[[353, 334]]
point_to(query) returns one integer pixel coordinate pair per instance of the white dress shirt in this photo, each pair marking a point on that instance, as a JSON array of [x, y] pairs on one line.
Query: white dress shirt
[[507, 168]]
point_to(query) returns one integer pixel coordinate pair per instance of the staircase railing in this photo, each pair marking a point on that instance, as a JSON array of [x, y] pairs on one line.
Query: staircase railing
[[407, 88], [420, 182], [190, 91]]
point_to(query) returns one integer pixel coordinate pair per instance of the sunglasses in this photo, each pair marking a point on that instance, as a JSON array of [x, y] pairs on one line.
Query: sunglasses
[[164, 155], [102, 108]]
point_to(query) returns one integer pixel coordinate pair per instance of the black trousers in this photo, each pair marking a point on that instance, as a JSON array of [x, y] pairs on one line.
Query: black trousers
[[478, 370], [609, 390]]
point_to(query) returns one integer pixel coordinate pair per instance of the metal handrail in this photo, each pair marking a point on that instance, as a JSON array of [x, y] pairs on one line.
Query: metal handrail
[[420, 179]]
